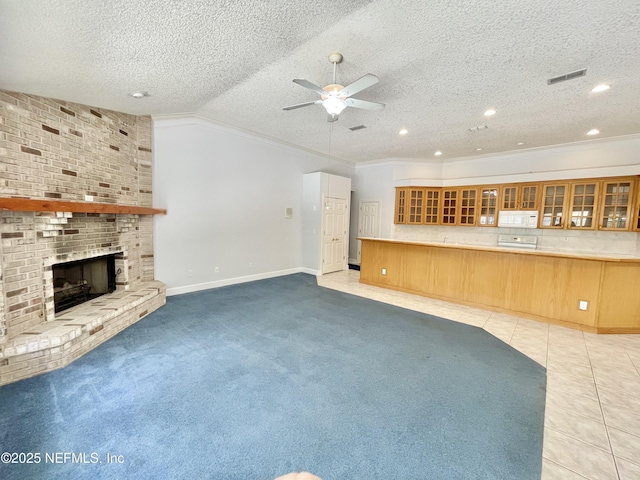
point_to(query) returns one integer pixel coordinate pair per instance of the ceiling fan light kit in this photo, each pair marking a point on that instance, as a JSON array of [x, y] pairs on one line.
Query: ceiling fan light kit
[[335, 97], [334, 105]]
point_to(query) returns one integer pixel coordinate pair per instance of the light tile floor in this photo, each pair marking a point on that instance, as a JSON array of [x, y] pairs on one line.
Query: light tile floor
[[592, 414]]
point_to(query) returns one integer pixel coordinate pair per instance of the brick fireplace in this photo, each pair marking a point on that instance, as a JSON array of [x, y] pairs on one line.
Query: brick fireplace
[[60, 151]]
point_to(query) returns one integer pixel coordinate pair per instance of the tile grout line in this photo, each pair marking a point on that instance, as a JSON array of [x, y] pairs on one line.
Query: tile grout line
[[604, 418], [566, 468]]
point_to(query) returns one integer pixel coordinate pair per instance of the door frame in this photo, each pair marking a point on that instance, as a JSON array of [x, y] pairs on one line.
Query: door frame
[[345, 263], [377, 233]]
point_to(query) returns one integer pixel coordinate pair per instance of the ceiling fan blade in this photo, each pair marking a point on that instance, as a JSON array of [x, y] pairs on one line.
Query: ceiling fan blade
[[363, 82], [300, 105], [354, 102], [332, 117], [307, 84]]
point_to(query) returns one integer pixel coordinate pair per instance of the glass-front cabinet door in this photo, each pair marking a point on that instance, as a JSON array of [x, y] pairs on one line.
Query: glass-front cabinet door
[[416, 204], [468, 204], [488, 207], [431, 206], [636, 221], [582, 207], [616, 205], [449, 206], [509, 198], [401, 205], [528, 197], [553, 206]]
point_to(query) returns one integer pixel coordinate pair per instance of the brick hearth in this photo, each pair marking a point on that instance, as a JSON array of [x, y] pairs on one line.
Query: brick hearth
[[74, 332]]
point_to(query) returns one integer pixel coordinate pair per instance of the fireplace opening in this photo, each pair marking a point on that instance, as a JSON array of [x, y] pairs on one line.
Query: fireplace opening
[[82, 280]]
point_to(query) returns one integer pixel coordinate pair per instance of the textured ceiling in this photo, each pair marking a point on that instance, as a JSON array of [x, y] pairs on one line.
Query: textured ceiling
[[441, 64]]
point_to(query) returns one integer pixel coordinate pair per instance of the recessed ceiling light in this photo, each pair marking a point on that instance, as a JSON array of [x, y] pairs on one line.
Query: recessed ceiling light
[[478, 149], [593, 131], [139, 94], [520, 143], [489, 112], [601, 88], [404, 131], [438, 153]]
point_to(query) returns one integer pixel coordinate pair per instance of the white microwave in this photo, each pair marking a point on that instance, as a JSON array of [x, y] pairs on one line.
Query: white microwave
[[518, 218]]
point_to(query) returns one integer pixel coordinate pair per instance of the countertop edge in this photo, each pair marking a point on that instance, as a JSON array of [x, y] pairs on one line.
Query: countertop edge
[[616, 258]]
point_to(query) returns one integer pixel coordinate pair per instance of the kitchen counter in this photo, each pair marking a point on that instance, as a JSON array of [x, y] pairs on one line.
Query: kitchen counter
[[607, 257], [589, 291]]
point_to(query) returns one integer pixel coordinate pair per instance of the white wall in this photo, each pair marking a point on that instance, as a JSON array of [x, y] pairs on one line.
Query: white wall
[[377, 181], [373, 183], [597, 158], [225, 192]]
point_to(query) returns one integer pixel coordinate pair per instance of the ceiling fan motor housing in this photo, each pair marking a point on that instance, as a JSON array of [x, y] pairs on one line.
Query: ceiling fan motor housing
[[333, 90]]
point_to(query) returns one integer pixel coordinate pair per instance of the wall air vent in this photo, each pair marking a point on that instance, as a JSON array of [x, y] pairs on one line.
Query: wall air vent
[[357, 127], [479, 128], [567, 76]]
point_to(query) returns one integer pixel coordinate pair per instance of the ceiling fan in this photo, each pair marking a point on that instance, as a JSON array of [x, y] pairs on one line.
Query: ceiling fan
[[334, 97]]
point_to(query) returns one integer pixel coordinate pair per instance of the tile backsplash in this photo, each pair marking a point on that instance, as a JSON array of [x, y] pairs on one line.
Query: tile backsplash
[[618, 243]]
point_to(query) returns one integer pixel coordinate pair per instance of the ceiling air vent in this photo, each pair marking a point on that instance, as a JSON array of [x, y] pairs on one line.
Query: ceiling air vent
[[567, 76], [357, 127]]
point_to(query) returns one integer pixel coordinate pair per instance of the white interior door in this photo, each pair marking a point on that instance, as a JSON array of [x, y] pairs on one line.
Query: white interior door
[[368, 222], [334, 234]]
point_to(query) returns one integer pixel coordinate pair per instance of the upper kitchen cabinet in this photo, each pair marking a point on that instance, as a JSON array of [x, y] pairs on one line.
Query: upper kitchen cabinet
[[553, 208], [617, 205], [488, 212], [582, 209], [519, 197]]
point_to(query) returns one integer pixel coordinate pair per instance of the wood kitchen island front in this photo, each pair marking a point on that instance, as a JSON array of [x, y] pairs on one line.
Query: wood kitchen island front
[[548, 286]]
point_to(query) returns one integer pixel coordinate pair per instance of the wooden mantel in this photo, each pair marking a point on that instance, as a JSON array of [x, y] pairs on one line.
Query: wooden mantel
[[39, 205]]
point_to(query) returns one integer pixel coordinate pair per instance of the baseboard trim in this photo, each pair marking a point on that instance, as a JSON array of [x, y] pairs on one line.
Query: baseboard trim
[[311, 271], [236, 280]]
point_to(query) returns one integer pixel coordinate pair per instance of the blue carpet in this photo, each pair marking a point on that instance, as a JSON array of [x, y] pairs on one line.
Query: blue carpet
[[256, 380]]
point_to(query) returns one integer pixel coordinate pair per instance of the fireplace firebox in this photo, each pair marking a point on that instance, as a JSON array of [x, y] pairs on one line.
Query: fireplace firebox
[[82, 280]]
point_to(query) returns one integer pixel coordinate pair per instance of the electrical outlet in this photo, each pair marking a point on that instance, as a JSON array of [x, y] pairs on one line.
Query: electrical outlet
[[384, 271], [250, 265], [216, 269], [190, 273], [583, 305]]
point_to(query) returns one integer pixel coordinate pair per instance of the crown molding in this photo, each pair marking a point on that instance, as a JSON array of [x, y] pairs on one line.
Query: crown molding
[[182, 119]]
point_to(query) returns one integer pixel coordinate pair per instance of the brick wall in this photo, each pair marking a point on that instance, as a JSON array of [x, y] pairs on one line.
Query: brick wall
[[51, 149]]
